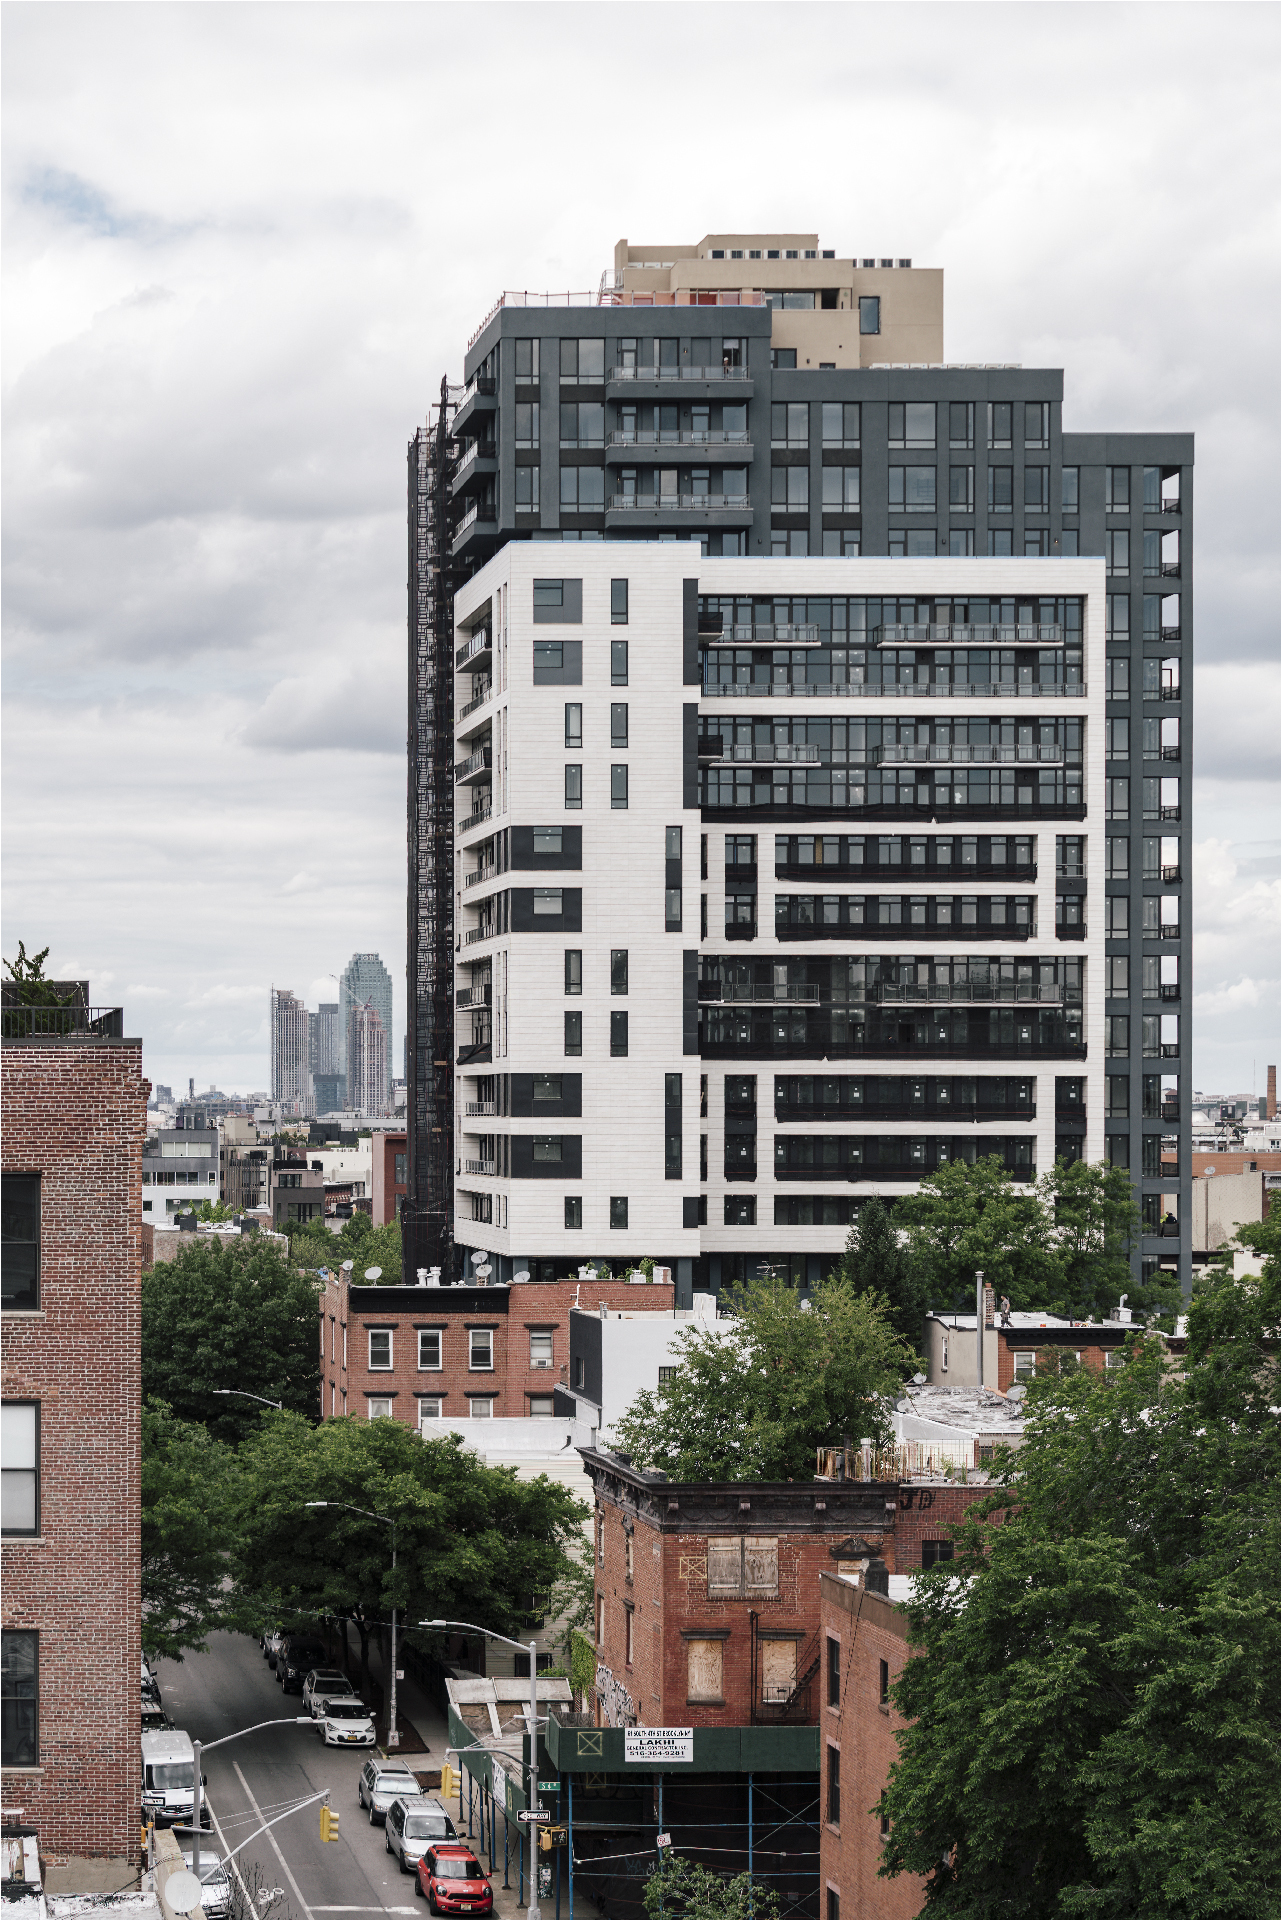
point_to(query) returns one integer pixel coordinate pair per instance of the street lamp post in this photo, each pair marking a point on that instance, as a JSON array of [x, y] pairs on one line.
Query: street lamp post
[[393, 1730], [534, 1912], [246, 1395]]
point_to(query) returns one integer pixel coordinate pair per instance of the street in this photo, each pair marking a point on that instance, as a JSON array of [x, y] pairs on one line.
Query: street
[[254, 1779]]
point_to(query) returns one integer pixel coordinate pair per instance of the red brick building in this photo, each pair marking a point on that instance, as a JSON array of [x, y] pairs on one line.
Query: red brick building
[[864, 1647], [75, 1107], [1009, 1352], [420, 1353], [390, 1177]]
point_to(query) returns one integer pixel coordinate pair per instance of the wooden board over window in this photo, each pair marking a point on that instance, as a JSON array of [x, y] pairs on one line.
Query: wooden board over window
[[706, 1661]]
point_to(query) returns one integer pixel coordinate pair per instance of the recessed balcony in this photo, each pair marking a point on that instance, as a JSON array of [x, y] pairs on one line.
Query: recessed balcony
[[763, 754], [1049, 634], [475, 768], [967, 756], [977, 993]]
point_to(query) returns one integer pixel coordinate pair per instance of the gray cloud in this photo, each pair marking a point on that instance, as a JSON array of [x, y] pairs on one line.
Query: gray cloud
[[243, 244]]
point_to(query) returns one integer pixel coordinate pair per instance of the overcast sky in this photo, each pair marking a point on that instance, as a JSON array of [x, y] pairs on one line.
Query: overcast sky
[[244, 242]]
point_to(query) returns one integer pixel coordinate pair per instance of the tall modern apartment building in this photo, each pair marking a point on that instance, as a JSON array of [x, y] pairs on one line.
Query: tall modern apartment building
[[367, 1060], [290, 1049], [365, 982], [830, 794]]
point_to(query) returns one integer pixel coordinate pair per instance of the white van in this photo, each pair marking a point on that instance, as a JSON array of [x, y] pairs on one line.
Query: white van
[[168, 1778]]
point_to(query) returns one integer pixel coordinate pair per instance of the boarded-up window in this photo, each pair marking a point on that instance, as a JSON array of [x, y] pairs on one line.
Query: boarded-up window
[[725, 1566], [778, 1670], [760, 1566], [706, 1670]]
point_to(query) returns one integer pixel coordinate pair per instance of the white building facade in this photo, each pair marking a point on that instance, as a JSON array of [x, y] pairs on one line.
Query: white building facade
[[753, 921]]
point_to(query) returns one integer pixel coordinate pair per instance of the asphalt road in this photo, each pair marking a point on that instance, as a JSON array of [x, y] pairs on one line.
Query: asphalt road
[[232, 1687]]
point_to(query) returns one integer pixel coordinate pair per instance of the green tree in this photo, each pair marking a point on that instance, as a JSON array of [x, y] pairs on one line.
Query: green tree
[[473, 1543], [971, 1217], [30, 987], [877, 1262], [190, 1503], [754, 1397], [1095, 1219], [685, 1888], [229, 1314], [1092, 1730], [313, 1246]]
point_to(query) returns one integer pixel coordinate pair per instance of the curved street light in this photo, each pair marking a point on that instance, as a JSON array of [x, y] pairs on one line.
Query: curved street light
[[246, 1395]]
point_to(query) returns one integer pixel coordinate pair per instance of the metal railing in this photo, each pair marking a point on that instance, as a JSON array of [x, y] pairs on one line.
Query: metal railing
[[481, 874], [956, 756], [474, 996], [478, 510], [480, 1110], [478, 643], [790, 752], [474, 764], [1048, 993], [786, 633], [679, 503], [485, 931], [1046, 635], [645, 376], [876, 690], [75, 1022], [475, 819], [482, 384], [686, 437], [1171, 569], [477, 700], [477, 450], [480, 1167], [777, 994]]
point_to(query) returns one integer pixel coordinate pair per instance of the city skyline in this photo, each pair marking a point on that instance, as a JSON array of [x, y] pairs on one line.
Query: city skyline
[[282, 542]]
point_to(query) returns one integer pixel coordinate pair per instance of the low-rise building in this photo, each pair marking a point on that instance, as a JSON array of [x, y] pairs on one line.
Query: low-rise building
[[421, 1353], [1222, 1202], [616, 1352], [296, 1190], [180, 1169], [390, 1175], [1011, 1344]]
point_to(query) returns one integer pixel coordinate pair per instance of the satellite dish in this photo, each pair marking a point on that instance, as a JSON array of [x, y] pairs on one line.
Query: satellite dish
[[478, 1257], [373, 1273], [918, 1380], [522, 1276], [347, 1266], [183, 1892]]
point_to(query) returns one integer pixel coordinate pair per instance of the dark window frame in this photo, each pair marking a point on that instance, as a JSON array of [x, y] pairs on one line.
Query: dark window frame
[[21, 1743], [24, 1473], [16, 1191]]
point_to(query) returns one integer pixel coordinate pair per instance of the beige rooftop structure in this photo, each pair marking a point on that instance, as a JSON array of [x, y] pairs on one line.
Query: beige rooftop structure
[[814, 295]]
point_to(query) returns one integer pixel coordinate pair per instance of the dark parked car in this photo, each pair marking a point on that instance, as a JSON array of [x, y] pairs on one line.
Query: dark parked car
[[296, 1659]]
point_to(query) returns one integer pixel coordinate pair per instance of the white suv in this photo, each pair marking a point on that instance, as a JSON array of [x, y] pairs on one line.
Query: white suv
[[319, 1685], [347, 1722]]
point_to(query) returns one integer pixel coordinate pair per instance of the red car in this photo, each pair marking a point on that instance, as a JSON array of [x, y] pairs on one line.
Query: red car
[[453, 1880]]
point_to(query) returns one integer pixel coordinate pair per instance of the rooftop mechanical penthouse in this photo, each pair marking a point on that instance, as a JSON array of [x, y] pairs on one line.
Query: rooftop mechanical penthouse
[[919, 691]]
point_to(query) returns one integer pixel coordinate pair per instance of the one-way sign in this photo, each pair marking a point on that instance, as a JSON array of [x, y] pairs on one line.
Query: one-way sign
[[528, 1815]]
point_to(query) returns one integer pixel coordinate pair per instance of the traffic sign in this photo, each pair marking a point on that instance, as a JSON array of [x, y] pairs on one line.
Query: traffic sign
[[534, 1815], [549, 1787]]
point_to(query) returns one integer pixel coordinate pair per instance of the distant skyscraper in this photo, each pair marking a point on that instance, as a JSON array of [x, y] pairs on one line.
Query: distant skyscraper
[[290, 1047], [366, 1060], [365, 983], [329, 1049]]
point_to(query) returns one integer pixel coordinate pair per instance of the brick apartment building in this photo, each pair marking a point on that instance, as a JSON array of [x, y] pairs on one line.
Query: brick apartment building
[[422, 1353], [75, 1108], [390, 1178], [1009, 1352], [864, 1647]]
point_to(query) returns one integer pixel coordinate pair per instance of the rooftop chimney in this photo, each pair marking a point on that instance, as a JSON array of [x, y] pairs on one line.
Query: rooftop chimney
[[1272, 1093]]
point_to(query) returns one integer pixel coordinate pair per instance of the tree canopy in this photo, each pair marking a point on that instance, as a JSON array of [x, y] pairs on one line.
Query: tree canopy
[[687, 1889], [877, 1261], [473, 1542], [191, 1499], [1093, 1728], [312, 1246], [752, 1398], [229, 1314]]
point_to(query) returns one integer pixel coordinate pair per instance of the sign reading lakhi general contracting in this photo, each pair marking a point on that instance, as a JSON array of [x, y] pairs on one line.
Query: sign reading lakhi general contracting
[[655, 1747]]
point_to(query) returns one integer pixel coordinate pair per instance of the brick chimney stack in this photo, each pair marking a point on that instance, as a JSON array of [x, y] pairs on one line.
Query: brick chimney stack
[[1272, 1093]]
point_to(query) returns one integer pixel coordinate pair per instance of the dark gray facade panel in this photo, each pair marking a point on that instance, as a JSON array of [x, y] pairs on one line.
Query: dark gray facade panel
[[693, 674], [526, 1168], [525, 921], [585, 1346], [689, 745], [569, 613], [570, 671], [523, 855], [525, 1107], [689, 986]]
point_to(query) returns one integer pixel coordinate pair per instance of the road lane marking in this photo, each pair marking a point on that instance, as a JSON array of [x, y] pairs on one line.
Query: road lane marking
[[232, 1863], [275, 1844]]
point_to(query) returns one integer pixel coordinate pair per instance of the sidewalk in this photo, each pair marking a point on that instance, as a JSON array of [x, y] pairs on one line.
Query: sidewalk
[[417, 1712]]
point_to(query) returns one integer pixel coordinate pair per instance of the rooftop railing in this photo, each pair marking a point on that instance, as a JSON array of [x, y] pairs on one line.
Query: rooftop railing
[[76, 1022]]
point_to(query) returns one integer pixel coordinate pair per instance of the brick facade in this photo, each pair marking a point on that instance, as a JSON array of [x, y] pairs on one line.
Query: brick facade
[[388, 1191], [75, 1113], [860, 1730], [512, 1315]]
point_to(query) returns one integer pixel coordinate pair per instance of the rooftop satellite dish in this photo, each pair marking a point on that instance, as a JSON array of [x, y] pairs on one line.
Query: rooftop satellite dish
[[522, 1276], [918, 1380], [478, 1257], [347, 1266], [183, 1892], [373, 1273]]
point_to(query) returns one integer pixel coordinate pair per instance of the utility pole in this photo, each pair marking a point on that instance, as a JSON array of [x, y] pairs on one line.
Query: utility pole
[[978, 1313]]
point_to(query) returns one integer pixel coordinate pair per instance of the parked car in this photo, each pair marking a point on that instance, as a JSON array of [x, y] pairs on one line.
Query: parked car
[[347, 1722], [298, 1656], [319, 1683], [381, 1783], [272, 1642], [453, 1881], [154, 1719], [215, 1881], [412, 1824]]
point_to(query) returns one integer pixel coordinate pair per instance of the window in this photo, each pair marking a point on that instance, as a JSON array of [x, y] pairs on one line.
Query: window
[[582, 489], [1118, 799], [666, 1374], [526, 359], [618, 1033], [790, 488], [1118, 747], [573, 723], [380, 1352], [1071, 490], [527, 488], [618, 970], [541, 1406], [618, 723], [573, 784], [1118, 679], [379, 1408], [540, 1347], [960, 543], [482, 1407], [912, 423], [429, 1348], [549, 595], [869, 313], [1000, 490], [1116, 550], [1117, 490], [618, 602], [1118, 974], [834, 1787], [20, 1434], [1116, 1036], [932, 1552], [884, 1684], [833, 1904], [618, 1210], [705, 1671], [1036, 423], [618, 663], [20, 1234], [582, 359], [742, 1565], [1118, 916], [673, 1107], [548, 900], [1000, 423], [573, 1033], [431, 1407], [833, 1672], [1036, 490], [19, 1697], [841, 487], [782, 357], [841, 425], [960, 423], [548, 840], [573, 970], [480, 1343], [546, 1147], [790, 423], [574, 1219], [618, 785], [740, 1210], [961, 489], [527, 423], [912, 489]]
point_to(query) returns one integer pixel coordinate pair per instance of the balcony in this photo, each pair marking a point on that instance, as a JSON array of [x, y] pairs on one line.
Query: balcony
[[475, 1051], [76, 1022], [764, 754], [1169, 693], [478, 403], [480, 1110], [637, 379], [622, 444], [658, 505], [474, 996], [1170, 990], [479, 462], [943, 756], [1172, 753], [1167, 813], [1047, 635], [794, 634], [485, 931], [480, 1167], [477, 818], [481, 874], [1170, 1051], [863, 690], [476, 767], [977, 993], [740, 930], [1169, 930], [476, 701], [480, 517], [776, 994], [1171, 569], [477, 646]]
